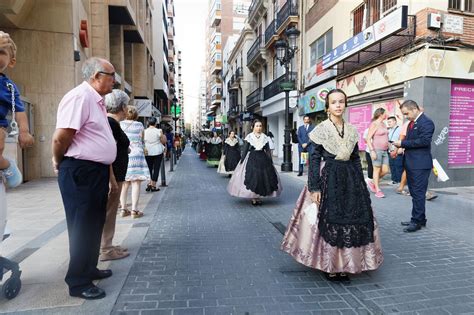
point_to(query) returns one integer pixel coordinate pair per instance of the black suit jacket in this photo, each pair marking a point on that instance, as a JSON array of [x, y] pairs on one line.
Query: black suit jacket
[[417, 144]]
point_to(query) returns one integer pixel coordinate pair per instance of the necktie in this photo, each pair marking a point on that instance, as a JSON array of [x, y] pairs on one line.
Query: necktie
[[411, 124], [306, 127]]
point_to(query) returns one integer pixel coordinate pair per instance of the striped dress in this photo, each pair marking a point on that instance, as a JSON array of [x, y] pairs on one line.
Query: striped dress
[[137, 167]]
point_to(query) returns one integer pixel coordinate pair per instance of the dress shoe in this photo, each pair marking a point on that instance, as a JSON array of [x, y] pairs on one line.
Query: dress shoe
[[300, 174], [101, 274], [407, 223], [413, 227], [90, 293]]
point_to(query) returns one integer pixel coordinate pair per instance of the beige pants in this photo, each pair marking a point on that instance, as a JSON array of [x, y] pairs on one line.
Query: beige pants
[[110, 219]]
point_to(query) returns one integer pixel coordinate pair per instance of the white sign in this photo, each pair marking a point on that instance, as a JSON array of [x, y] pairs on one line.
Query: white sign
[[143, 107], [453, 24]]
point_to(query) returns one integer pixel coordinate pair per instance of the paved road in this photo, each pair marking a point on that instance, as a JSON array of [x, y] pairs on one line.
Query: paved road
[[209, 253]]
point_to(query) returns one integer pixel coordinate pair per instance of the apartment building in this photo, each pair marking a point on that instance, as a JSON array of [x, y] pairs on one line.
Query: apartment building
[[53, 40], [226, 18], [381, 52]]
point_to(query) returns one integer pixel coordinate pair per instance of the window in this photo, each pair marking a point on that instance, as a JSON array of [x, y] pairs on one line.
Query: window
[[462, 5], [320, 47], [370, 12], [358, 20]]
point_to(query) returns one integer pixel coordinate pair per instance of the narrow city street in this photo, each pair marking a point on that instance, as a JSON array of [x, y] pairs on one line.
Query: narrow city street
[[208, 253]]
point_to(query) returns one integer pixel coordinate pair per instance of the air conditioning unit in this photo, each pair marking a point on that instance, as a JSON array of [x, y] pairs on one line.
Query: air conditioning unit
[[434, 21]]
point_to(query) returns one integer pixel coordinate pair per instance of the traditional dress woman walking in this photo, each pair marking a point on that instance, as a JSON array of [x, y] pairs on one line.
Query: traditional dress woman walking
[[341, 236], [215, 150], [255, 176], [231, 155]]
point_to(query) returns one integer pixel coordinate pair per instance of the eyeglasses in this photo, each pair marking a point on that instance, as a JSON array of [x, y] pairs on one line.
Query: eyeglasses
[[112, 74]]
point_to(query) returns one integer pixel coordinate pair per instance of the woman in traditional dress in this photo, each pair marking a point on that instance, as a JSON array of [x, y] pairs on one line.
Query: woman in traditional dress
[[341, 236], [215, 150], [137, 170], [231, 156], [255, 176], [203, 145]]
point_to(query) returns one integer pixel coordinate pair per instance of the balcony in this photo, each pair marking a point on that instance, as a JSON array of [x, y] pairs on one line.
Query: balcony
[[257, 10], [216, 67], [287, 15], [235, 79], [256, 56], [270, 34], [254, 99], [216, 14], [216, 99], [274, 88], [233, 112]]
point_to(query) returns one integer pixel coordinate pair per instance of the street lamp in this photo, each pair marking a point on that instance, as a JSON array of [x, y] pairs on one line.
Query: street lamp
[[175, 108], [285, 51]]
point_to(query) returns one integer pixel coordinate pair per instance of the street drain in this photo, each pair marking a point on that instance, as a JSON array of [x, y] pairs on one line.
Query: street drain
[[280, 227]]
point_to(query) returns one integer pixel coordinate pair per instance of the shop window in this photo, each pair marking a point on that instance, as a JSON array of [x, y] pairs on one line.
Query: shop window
[[320, 47], [462, 5]]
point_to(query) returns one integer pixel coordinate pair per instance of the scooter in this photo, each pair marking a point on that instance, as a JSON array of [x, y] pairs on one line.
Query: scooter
[[12, 286]]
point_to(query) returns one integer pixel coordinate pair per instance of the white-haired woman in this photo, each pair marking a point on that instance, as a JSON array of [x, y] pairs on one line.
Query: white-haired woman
[[137, 170], [116, 103]]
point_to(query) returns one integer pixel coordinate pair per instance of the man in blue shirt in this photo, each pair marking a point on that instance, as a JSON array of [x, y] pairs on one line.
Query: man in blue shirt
[[395, 159]]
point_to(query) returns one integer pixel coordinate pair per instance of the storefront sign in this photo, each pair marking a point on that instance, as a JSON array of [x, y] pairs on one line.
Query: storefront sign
[[461, 125], [359, 117], [392, 23], [143, 107], [314, 99]]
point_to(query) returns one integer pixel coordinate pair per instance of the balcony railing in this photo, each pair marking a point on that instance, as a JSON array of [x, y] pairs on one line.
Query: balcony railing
[[254, 50], [274, 88], [254, 98], [252, 6], [270, 31], [290, 8]]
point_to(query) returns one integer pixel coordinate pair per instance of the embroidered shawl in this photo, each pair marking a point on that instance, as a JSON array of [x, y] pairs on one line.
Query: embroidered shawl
[[231, 142], [257, 143]]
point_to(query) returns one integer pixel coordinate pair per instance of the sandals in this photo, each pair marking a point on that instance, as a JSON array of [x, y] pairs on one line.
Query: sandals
[[403, 192], [124, 213], [136, 214]]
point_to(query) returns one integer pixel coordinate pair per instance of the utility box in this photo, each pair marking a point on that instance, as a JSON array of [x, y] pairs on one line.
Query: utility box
[[434, 21]]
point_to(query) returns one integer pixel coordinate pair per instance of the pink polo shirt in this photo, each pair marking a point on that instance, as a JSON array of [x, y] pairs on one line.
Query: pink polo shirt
[[83, 110]]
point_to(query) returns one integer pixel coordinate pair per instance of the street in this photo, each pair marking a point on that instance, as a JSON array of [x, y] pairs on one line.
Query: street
[[204, 252]]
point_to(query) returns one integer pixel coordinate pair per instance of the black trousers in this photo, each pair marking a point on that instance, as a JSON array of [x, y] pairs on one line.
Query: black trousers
[[370, 167], [418, 185], [154, 165], [84, 186]]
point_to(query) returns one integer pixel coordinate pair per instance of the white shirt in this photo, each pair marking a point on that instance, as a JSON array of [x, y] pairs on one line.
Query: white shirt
[[152, 141]]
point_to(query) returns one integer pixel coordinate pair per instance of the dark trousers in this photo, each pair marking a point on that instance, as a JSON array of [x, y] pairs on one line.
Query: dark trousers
[[84, 186], [370, 167], [396, 168], [418, 185], [154, 165]]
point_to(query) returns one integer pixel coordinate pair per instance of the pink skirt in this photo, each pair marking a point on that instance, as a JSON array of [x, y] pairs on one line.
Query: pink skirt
[[303, 242], [236, 186]]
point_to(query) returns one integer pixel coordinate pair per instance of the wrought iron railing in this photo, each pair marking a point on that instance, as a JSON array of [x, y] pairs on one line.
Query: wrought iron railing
[[270, 31], [274, 88], [254, 50], [254, 98], [290, 8]]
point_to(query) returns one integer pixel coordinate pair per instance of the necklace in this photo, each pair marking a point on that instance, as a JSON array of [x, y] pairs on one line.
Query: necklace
[[341, 134]]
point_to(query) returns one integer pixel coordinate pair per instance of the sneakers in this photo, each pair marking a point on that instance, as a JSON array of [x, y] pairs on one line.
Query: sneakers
[[371, 186], [379, 194], [12, 175]]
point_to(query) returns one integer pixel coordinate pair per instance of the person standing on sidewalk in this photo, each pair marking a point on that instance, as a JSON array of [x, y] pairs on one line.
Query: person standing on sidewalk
[[83, 149], [116, 104], [304, 143], [417, 160], [377, 141], [395, 159], [137, 170], [155, 150], [341, 236], [368, 159]]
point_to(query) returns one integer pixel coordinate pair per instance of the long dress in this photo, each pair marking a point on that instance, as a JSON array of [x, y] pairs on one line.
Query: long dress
[[137, 168], [342, 235], [230, 157], [255, 176], [215, 151], [203, 148]]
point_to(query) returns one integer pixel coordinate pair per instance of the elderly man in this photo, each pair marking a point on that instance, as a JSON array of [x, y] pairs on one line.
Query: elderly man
[[83, 150]]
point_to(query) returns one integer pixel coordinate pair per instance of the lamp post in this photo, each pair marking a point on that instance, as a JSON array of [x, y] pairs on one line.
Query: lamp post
[[285, 51], [175, 118]]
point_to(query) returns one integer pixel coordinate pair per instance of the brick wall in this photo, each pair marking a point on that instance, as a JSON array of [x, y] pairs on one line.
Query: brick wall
[[423, 31], [318, 10]]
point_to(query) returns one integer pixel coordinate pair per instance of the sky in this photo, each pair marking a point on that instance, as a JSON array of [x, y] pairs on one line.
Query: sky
[[189, 21]]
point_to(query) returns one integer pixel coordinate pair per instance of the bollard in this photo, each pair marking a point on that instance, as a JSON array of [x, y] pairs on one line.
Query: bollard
[[163, 170], [171, 160]]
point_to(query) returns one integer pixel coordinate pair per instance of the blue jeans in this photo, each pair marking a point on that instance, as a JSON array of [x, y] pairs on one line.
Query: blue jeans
[[396, 168]]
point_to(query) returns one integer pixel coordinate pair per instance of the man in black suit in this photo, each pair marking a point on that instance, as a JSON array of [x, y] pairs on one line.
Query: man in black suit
[[417, 160], [304, 143]]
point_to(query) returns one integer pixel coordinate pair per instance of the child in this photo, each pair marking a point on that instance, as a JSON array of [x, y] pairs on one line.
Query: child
[[8, 95]]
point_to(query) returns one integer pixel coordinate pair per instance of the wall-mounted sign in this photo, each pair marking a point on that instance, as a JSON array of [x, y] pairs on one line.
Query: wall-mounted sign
[[143, 107], [453, 24], [316, 74], [392, 23], [314, 99]]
